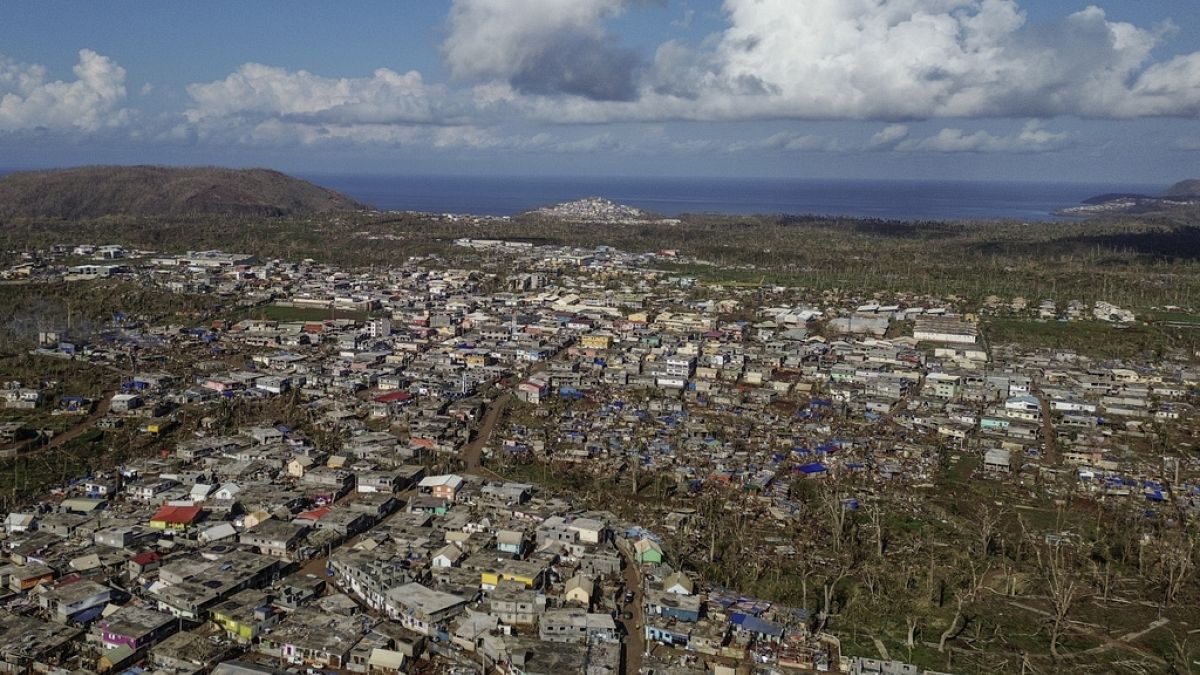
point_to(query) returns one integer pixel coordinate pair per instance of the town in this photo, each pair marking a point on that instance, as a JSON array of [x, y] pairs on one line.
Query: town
[[560, 459]]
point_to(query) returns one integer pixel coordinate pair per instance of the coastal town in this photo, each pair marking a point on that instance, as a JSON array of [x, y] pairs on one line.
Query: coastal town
[[547, 459]]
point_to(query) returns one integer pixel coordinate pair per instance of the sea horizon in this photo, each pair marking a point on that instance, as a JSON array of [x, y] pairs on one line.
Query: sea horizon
[[889, 199]]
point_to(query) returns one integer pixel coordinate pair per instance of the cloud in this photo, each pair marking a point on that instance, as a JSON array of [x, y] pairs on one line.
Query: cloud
[[888, 137], [1031, 139], [887, 60], [91, 102], [256, 90], [542, 47], [788, 142], [518, 64]]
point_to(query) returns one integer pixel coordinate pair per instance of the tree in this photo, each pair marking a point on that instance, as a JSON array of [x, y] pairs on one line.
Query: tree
[[969, 584], [1175, 563], [988, 521], [1057, 566], [833, 506]]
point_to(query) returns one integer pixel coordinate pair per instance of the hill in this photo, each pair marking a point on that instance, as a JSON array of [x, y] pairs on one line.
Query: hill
[[94, 191], [1184, 188], [1180, 200]]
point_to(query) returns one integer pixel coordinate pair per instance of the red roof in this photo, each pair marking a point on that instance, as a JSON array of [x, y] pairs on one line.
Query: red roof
[[393, 397], [315, 514], [146, 558], [178, 514]]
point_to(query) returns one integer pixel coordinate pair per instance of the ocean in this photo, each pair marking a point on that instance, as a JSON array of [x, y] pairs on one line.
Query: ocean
[[903, 200]]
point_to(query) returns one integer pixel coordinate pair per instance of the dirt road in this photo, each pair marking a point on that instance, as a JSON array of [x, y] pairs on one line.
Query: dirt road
[[80, 427], [472, 453], [635, 637]]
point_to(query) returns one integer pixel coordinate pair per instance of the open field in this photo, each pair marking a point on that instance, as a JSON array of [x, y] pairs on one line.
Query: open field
[[283, 313]]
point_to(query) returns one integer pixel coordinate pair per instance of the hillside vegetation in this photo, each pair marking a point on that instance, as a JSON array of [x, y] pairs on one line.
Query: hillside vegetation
[[97, 191], [1184, 188]]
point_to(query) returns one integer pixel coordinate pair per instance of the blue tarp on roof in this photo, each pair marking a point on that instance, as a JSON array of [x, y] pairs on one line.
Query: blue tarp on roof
[[753, 624], [88, 615], [815, 467]]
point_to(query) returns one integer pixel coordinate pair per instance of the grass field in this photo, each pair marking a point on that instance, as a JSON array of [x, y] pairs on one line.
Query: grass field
[[1091, 338], [282, 313]]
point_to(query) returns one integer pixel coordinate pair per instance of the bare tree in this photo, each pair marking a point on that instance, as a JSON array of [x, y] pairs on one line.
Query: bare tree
[[1056, 564], [988, 521], [833, 505], [1175, 563], [970, 585]]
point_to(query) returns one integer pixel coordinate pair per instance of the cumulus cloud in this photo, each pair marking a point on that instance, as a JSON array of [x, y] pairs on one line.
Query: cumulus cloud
[[888, 137], [892, 60], [519, 63], [788, 142], [266, 105], [91, 102], [256, 90], [542, 47], [1032, 139]]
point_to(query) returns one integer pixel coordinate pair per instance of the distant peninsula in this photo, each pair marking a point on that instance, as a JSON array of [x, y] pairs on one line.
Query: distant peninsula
[[97, 191], [1183, 195], [596, 210]]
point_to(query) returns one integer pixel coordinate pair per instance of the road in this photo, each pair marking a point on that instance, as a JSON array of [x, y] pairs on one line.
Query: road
[[635, 636], [472, 452], [80, 427], [1048, 436]]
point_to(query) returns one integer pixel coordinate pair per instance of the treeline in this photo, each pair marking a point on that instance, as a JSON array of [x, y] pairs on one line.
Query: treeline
[[1129, 262]]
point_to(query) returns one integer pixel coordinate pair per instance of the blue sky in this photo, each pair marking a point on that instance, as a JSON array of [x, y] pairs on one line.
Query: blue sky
[[979, 89]]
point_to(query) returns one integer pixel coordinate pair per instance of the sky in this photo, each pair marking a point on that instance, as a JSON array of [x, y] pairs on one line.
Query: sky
[[1063, 91]]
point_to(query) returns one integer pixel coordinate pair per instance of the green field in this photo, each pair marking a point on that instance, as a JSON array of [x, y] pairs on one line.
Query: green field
[[1091, 338], [282, 313]]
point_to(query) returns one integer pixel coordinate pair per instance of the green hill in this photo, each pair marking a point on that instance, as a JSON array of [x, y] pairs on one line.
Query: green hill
[[1184, 188], [94, 191]]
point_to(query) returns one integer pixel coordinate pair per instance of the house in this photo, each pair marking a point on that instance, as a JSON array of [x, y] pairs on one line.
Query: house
[[525, 572], [79, 601], [576, 625], [447, 556], [25, 577], [142, 563], [647, 551], [218, 532], [319, 640], [123, 403], [678, 583], [516, 605], [756, 628], [579, 590], [16, 523], [445, 486], [997, 460], [275, 538], [147, 489], [28, 644], [135, 627], [265, 435], [176, 518], [673, 606], [589, 530], [245, 615], [510, 542], [420, 609], [670, 633]]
